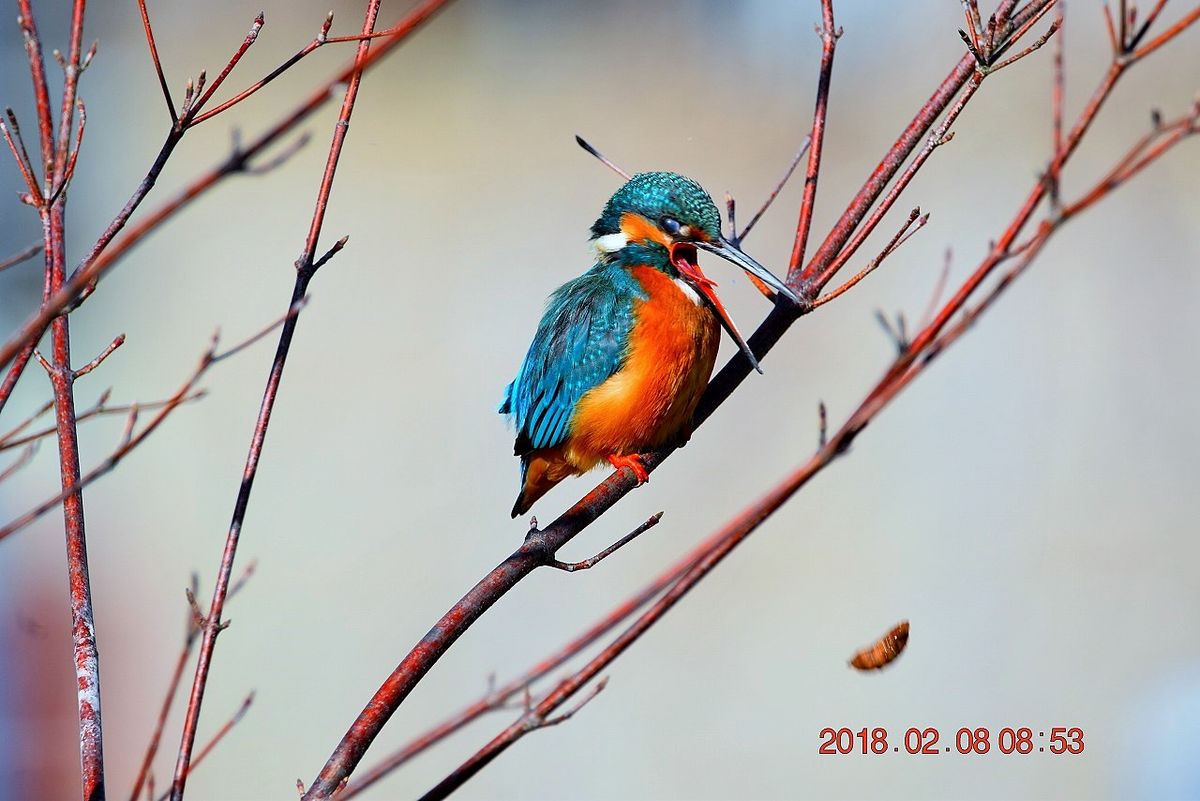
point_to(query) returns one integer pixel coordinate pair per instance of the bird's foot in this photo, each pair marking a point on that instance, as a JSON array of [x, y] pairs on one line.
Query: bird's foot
[[634, 462]]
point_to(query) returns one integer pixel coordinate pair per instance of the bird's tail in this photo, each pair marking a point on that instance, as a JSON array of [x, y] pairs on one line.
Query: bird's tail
[[539, 473]]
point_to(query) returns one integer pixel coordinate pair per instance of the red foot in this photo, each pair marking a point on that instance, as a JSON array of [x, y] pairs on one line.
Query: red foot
[[634, 463]]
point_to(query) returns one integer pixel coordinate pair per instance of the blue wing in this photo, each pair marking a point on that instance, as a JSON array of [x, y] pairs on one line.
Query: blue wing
[[580, 342]]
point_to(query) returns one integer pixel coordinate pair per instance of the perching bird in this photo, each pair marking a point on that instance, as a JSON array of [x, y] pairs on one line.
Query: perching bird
[[624, 351]]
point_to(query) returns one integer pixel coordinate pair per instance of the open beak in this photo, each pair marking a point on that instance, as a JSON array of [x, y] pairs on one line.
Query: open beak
[[730, 252], [706, 286]]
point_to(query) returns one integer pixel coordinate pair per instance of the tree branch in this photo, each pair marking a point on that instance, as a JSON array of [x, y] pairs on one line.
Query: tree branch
[[306, 268], [539, 548]]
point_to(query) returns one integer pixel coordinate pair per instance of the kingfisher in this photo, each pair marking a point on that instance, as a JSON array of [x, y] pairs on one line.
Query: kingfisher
[[623, 352]]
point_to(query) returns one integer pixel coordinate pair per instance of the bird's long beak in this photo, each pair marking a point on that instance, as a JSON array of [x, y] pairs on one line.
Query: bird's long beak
[[684, 258], [706, 286], [731, 252]]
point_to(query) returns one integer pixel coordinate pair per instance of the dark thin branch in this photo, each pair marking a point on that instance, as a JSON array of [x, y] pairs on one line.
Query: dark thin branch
[[1147, 23], [16, 144], [102, 257], [25, 458], [822, 424], [129, 441], [571, 567], [158, 69], [737, 239], [117, 342], [939, 288], [216, 739], [101, 408], [23, 256], [69, 170], [192, 633], [533, 719], [497, 698], [579, 140], [1013, 34], [305, 270], [321, 39]]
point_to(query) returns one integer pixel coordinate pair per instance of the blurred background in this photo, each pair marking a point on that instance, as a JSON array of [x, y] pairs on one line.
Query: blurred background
[[1029, 504]]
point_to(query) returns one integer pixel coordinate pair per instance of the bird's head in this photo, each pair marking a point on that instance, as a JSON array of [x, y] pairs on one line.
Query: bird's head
[[660, 219]]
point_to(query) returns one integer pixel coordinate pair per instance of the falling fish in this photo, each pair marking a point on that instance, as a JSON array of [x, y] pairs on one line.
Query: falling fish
[[884, 650]]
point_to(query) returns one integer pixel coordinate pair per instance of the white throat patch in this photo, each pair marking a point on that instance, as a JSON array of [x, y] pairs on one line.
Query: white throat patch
[[610, 243], [687, 290]]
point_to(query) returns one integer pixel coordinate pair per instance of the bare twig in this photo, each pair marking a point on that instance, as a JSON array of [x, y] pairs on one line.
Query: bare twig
[[158, 69], [117, 342], [16, 144], [829, 36], [102, 257], [22, 256], [226, 727], [822, 424], [896, 241], [100, 408], [306, 268], [41, 91], [497, 697], [738, 238], [25, 458], [571, 567], [939, 287], [1054, 26], [533, 719], [1013, 34], [130, 441], [192, 632], [250, 39], [579, 140], [69, 170]]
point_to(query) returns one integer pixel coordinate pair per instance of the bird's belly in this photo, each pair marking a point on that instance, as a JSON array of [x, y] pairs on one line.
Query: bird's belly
[[650, 400]]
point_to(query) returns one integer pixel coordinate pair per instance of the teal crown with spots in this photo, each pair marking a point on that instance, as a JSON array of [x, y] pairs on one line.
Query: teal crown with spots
[[655, 195]]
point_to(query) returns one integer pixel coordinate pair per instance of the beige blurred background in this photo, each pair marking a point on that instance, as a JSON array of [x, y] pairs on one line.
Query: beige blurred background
[[1029, 505]]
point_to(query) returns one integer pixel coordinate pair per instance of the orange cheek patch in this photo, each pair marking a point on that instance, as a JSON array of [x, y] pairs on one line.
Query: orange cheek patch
[[638, 229]]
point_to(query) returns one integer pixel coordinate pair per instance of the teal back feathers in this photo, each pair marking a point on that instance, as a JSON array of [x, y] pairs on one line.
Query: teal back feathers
[[581, 341]]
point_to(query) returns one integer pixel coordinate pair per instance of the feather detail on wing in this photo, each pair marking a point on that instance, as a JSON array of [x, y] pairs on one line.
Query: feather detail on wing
[[580, 342]]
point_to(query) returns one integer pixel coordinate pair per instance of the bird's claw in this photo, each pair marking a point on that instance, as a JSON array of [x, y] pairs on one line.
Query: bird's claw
[[634, 462]]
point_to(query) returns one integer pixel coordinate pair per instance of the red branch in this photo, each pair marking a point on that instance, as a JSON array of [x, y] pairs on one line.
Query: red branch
[[306, 268], [916, 358], [540, 546], [102, 257], [829, 36], [131, 440]]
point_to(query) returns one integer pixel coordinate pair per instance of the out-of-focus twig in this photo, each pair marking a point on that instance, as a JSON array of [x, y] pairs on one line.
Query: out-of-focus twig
[[306, 268], [132, 440]]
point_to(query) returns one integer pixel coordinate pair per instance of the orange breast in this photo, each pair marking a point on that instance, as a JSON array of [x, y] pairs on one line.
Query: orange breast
[[672, 349]]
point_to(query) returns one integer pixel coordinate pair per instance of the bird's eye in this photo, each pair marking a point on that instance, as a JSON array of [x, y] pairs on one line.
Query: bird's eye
[[671, 225]]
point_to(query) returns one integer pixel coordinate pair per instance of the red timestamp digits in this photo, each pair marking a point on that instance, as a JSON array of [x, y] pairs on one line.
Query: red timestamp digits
[[979, 740]]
